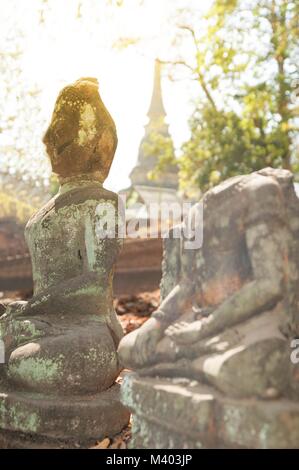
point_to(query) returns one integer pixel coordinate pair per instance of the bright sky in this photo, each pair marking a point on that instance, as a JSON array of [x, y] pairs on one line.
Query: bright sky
[[64, 48]]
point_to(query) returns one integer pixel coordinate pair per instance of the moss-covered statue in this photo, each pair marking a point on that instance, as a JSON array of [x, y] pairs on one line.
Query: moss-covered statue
[[228, 322], [61, 362]]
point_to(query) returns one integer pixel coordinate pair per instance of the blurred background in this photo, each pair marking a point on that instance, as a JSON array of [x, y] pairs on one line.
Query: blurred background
[[199, 90]]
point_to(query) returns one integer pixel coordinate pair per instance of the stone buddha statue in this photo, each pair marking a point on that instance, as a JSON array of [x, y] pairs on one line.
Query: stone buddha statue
[[248, 265], [61, 345], [227, 319]]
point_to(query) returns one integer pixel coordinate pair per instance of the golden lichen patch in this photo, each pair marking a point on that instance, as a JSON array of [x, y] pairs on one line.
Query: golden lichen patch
[[87, 124]]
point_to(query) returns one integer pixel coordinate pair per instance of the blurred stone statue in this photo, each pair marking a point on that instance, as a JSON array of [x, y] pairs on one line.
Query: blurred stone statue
[[230, 308], [61, 361]]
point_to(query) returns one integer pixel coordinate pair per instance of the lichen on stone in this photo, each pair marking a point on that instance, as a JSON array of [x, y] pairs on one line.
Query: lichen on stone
[[87, 124]]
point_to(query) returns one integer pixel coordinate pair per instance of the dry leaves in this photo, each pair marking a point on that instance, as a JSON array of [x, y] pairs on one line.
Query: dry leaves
[[134, 310], [104, 444], [120, 441], [140, 305]]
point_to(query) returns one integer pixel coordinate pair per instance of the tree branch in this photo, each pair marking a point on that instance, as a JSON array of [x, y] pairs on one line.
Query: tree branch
[[200, 75]]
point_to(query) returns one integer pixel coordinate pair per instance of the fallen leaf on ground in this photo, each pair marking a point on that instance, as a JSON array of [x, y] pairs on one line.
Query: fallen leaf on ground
[[104, 444]]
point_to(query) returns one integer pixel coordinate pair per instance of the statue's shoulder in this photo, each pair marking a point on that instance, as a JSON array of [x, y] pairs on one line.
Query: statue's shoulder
[[40, 214], [75, 197], [81, 195], [251, 198], [257, 183], [251, 185], [263, 193], [266, 202]]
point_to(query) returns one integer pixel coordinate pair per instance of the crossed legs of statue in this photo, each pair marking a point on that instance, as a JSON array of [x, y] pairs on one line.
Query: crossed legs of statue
[[43, 355], [228, 359]]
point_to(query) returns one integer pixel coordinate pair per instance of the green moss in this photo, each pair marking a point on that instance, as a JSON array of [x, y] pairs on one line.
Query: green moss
[[36, 370], [23, 420], [18, 417], [20, 330]]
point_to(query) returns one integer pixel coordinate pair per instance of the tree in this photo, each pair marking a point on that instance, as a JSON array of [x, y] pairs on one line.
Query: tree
[[245, 56], [23, 171], [24, 164]]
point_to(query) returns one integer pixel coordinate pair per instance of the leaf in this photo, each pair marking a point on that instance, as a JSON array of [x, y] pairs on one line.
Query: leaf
[[104, 444]]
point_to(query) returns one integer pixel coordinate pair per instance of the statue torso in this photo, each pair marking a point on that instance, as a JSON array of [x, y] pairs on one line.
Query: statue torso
[[62, 237], [222, 265]]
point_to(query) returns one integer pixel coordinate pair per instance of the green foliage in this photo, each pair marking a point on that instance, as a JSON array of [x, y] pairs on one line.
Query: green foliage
[[132, 198], [12, 207], [245, 64]]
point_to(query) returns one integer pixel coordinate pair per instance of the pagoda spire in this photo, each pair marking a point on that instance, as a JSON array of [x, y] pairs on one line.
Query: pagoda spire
[[156, 109], [156, 125]]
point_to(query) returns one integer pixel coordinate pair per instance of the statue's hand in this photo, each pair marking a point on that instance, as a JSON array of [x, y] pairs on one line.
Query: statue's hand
[[188, 333], [138, 348]]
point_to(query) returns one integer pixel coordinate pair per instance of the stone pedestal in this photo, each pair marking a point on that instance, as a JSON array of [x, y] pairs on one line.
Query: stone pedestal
[[184, 414], [37, 420]]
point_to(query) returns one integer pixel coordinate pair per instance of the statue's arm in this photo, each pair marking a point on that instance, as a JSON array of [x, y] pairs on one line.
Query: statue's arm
[[62, 297], [88, 285], [181, 264], [138, 348], [176, 302], [267, 248]]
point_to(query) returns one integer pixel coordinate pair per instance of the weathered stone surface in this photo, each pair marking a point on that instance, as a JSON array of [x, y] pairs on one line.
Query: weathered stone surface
[[236, 299], [258, 424], [177, 413], [164, 403], [60, 346], [81, 138], [48, 417], [256, 346]]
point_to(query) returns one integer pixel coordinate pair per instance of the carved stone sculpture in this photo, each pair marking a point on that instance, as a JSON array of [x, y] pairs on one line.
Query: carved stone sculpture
[[58, 381], [226, 378]]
